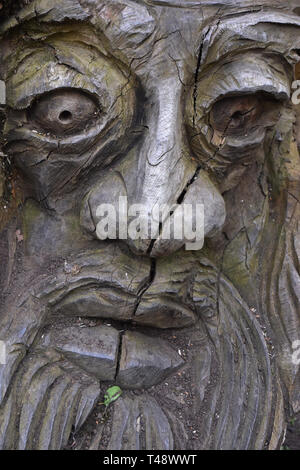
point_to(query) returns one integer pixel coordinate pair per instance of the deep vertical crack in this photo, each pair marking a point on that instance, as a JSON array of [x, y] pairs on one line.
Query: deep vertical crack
[[179, 201], [195, 92], [119, 353], [189, 183], [199, 60], [146, 286]]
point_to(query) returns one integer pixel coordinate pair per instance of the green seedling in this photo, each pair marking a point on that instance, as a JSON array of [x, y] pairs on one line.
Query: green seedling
[[111, 395]]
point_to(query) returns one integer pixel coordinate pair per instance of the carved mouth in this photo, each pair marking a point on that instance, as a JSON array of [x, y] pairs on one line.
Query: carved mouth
[[108, 302], [111, 353], [99, 285], [118, 352]]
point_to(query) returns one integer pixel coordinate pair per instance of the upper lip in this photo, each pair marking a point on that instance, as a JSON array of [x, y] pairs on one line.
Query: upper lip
[[100, 268], [107, 290]]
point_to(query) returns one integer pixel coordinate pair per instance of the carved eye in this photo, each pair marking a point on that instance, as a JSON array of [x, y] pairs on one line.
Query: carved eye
[[239, 115], [64, 112]]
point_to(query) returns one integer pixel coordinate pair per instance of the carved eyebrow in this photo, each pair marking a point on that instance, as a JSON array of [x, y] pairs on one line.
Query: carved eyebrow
[[181, 3], [42, 10], [270, 30], [60, 11], [214, 3], [245, 75], [126, 25]]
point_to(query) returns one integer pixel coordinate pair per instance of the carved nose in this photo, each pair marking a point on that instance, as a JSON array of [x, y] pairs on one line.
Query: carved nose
[[158, 176]]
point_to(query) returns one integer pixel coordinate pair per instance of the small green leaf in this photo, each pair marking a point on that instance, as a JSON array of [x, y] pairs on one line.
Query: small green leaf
[[111, 395]]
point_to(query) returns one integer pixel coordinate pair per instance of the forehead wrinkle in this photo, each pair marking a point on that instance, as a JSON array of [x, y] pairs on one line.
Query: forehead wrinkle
[[220, 21]]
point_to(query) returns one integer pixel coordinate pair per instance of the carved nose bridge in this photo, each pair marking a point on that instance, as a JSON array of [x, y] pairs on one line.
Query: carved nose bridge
[[167, 175], [166, 121], [164, 163]]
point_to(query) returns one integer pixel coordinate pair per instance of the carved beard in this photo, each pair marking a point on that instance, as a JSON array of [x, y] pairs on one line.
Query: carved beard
[[237, 399], [48, 398]]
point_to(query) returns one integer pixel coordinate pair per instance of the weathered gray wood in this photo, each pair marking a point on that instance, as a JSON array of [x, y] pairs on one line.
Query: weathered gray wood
[[160, 102]]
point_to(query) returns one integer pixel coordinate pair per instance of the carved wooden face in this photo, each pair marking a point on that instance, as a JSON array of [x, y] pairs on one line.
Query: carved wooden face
[[161, 103]]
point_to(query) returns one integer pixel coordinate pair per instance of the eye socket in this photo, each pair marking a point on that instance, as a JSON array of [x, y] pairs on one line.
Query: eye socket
[[239, 115], [64, 112]]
